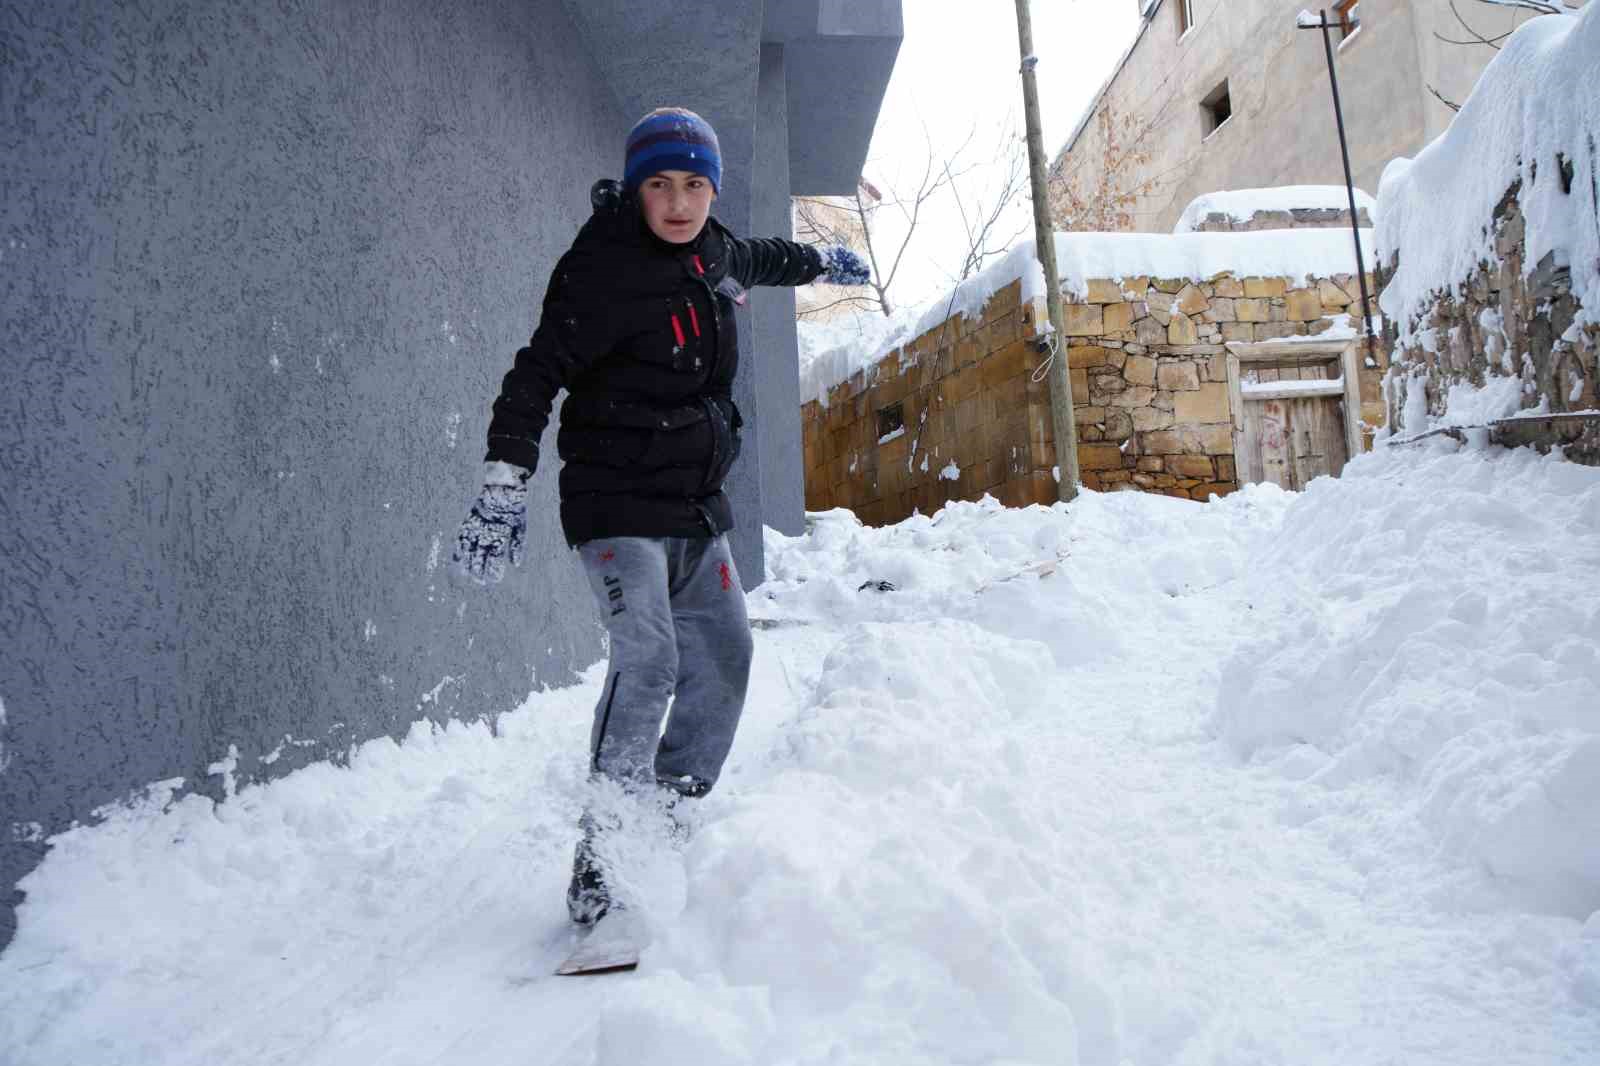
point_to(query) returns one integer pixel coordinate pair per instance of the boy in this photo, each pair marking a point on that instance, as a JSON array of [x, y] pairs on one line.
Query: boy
[[638, 326]]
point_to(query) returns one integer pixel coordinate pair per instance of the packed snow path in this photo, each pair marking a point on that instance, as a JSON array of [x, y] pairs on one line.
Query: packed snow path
[[1290, 779]]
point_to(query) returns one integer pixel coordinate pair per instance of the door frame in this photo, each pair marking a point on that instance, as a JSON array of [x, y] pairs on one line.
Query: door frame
[[1303, 351]]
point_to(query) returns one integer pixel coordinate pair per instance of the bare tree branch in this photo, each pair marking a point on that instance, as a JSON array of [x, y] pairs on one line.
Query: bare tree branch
[[1440, 97], [983, 211], [865, 303], [1544, 7], [980, 223]]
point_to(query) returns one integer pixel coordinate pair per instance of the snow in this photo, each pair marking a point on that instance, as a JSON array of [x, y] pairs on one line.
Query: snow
[[1281, 778], [1240, 204], [1477, 405], [1300, 255], [1341, 328], [1538, 99], [831, 352], [1321, 387]]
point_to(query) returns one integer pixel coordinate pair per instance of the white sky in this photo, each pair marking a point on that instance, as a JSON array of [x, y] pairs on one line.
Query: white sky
[[958, 68]]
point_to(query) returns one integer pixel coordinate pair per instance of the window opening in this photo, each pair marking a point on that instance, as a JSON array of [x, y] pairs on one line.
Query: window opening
[[1348, 12], [1216, 108], [1185, 16], [890, 419]]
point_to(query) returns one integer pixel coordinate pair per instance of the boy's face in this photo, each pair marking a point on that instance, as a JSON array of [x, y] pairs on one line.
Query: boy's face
[[676, 203]]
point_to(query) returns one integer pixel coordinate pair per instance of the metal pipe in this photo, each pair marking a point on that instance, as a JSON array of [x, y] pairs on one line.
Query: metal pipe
[[1349, 181]]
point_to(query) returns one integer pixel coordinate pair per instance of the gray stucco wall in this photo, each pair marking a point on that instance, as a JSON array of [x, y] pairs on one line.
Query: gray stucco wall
[[774, 356], [263, 269]]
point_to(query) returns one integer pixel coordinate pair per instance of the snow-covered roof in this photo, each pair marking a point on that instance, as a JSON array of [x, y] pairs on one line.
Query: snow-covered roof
[[1240, 205], [1300, 255]]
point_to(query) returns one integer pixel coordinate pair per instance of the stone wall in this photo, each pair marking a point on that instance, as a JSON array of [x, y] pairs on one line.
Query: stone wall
[[1148, 364], [1149, 372], [964, 395], [1287, 218], [1503, 325]]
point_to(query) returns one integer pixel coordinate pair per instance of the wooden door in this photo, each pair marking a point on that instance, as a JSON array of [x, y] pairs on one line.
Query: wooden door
[[1316, 438], [1290, 441]]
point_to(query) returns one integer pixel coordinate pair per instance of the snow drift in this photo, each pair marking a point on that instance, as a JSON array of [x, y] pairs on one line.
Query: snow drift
[[984, 818], [1427, 620]]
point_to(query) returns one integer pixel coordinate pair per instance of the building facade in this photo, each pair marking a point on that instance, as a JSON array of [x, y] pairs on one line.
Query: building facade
[[1233, 95], [264, 267]]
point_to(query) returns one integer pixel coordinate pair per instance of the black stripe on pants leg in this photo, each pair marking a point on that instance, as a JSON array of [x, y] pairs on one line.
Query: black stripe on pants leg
[[605, 720]]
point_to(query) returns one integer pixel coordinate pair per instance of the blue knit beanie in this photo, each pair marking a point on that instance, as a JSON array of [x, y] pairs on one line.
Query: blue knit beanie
[[672, 138]]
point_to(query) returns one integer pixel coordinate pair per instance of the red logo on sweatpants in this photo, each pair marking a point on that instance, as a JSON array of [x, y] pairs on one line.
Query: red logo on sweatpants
[[727, 576], [607, 555]]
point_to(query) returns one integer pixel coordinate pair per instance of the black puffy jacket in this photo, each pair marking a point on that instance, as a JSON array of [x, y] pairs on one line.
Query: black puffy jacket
[[641, 333]]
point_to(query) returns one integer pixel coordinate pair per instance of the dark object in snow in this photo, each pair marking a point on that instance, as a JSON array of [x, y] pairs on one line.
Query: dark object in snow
[[588, 899], [876, 586]]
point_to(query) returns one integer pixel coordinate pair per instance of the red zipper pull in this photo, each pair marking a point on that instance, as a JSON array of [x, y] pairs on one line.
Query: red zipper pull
[[694, 320], [677, 330], [699, 267]]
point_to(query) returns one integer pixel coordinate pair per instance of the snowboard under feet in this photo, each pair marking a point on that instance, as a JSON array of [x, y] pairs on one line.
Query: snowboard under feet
[[612, 946]]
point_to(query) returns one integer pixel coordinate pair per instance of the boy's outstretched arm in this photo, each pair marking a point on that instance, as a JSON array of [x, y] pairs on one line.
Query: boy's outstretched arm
[[775, 261]]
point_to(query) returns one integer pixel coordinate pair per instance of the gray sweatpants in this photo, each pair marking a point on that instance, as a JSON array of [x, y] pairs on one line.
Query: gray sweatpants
[[675, 612]]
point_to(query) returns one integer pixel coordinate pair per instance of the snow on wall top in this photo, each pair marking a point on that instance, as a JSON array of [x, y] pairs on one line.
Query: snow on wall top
[[1537, 104], [1240, 204], [831, 353], [1298, 255]]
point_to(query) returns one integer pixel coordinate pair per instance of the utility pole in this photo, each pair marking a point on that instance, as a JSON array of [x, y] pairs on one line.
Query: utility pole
[[1324, 25], [1061, 417]]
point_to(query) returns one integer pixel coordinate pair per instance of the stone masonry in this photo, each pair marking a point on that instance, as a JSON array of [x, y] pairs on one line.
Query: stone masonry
[[1503, 323], [956, 413], [1290, 218]]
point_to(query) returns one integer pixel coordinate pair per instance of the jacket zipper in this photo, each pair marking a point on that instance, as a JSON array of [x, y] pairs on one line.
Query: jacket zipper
[[711, 423], [716, 317], [716, 358]]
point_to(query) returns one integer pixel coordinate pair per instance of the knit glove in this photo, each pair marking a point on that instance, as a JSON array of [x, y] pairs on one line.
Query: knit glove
[[841, 266], [496, 527]]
